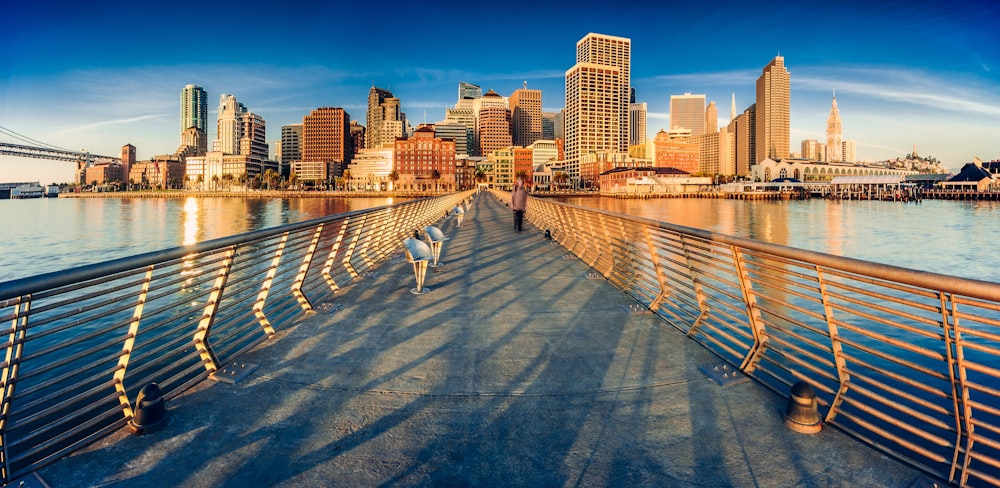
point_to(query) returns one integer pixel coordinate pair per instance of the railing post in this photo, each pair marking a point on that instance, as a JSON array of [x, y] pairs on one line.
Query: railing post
[[957, 375], [699, 293], [265, 287], [753, 315], [352, 246], [654, 256], [11, 367], [208, 317], [328, 266], [843, 377], [300, 278], [133, 331]]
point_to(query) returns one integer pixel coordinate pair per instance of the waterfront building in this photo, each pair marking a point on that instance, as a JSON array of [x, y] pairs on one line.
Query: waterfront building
[[637, 113], [101, 174], [194, 108], [291, 144], [833, 134], [772, 115], [647, 180], [127, 160], [425, 162], [817, 172], [493, 127], [371, 169], [526, 116], [326, 137], [687, 111], [675, 150], [597, 99], [310, 172], [162, 172], [595, 163], [217, 170]]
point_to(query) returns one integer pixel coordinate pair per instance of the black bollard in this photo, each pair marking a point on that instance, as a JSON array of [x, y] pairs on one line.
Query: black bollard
[[150, 411], [802, 413]]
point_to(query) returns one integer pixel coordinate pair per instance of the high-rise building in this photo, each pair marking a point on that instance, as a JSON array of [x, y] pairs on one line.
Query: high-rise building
[[357, 136], [468, 91], [711, 118], [742, 134], [326, 138], [382, 108], [549, 125], [687, 111], [637, 123], [833, 134], [598, 87], [494, 129], [675, 149], [291, 144], [229, 124], [253, 136], [455, 131], [194, 108], [849, 150], [773, 111], [194, 142], [526, 115]]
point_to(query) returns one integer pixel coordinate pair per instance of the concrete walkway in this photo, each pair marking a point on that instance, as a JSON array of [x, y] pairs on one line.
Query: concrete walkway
[[514, 370]]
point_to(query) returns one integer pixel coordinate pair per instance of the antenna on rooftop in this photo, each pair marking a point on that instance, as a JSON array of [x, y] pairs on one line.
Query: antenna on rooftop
[[525, 84]]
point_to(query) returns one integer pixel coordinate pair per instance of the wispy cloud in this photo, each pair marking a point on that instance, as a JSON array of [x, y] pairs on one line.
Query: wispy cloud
[[106, 123], [706, 79], [900, 85]]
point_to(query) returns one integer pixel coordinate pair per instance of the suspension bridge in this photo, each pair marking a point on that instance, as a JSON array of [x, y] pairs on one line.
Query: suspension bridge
[[15, 144]]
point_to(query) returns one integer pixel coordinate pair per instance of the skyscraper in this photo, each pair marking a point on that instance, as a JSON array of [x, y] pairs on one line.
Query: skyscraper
[[687, 111], [194, 108], [772, 112], [597, 99], [326, 138], [526, 115], [711, 118], [377, 115], [637, 123], [229, 124], [833, 134], [291, 144], [468, 91]]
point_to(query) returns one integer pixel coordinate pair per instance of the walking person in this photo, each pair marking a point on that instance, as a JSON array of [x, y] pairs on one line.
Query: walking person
[[518, 202]]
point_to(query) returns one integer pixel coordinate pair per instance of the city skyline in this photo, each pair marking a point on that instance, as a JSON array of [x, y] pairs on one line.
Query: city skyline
[[905, 74]]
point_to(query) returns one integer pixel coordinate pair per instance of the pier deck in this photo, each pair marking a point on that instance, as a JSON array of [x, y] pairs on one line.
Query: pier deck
[[516, 369]]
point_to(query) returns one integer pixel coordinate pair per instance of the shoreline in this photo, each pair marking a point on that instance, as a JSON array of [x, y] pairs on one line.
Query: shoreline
[[282, 194]]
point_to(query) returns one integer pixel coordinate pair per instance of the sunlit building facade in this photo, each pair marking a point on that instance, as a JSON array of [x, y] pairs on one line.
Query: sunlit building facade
[[773, 111]]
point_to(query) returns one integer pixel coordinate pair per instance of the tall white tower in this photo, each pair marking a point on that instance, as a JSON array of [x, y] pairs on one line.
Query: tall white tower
[[833, 133]]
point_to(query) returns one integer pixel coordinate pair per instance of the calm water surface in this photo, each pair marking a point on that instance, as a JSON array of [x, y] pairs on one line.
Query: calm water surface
[[43, 235], [51, 234], [950, 237]]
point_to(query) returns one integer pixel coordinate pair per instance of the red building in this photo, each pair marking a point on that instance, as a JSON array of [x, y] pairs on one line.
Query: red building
[[675, 153], [424, 162], [524, 158]]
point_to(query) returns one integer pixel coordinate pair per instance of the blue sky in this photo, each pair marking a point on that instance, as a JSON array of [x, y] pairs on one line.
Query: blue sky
[[98, 75]]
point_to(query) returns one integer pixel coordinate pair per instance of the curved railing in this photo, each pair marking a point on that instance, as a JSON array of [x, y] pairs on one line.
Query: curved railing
[[82, 342], [906, 361]]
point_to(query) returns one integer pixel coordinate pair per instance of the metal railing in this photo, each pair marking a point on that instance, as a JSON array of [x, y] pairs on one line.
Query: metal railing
[[906, 361], [83, 342]]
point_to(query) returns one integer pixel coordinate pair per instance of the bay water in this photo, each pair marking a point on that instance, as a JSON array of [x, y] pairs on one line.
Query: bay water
[[949, 237]]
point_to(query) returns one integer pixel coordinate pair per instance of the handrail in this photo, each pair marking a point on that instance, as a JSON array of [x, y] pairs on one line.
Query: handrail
[[906, 361], [84, 341]]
